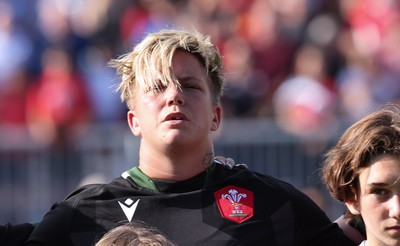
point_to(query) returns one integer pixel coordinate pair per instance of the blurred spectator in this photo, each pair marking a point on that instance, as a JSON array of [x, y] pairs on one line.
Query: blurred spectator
[[58, 101], [355, 93], [246, 86], [12, 100], [13, 110], [292, 17], [303, 107], [304, 103], [15, 46], [100, 82], [387, 87], [367, 80], [272, 52], [53, 21], [144, 17]]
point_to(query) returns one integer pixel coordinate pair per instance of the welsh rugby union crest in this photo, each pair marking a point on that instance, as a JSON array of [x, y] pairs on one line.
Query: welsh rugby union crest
[[235, 203]]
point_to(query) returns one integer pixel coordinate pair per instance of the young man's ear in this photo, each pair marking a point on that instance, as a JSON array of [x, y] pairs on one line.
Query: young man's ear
[[352, 205], [133, 123], [217, 114]]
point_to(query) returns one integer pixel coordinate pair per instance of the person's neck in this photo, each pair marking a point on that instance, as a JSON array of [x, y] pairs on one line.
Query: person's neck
[[175, 166]]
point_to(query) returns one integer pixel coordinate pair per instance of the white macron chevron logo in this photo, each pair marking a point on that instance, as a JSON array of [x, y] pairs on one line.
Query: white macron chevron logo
[[129, 208]]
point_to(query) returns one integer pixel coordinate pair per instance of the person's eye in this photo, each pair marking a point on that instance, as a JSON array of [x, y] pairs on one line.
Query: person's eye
[[156, 89], [190, 86], [160, 88], [380, 192]]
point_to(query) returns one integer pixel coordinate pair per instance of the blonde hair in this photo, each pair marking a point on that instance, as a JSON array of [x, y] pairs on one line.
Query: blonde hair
[[134, 234], [149, 65]]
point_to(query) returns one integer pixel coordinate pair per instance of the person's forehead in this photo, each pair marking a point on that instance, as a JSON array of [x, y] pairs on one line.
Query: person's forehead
[[187, 61], [385, 169]]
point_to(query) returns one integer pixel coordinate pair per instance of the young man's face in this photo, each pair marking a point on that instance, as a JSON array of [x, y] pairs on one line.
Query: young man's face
[[183, 116], [379, 201]]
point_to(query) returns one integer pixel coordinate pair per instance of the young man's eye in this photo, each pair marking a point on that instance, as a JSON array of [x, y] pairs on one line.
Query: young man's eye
[[380, 192]]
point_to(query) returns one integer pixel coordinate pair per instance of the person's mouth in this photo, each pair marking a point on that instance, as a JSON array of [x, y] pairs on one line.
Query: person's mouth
[[394, 228], [176, 116]]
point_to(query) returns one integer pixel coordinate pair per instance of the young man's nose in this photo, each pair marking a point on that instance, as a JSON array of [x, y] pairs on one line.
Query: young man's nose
[[395, 207], [174, 96]]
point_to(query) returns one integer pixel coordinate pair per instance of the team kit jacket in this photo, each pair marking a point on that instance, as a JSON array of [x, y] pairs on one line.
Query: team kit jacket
[[216, 207]]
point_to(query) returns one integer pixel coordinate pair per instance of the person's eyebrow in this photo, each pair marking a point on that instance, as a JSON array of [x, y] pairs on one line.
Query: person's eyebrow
[[188, 77], [383, 184], [378, 184]]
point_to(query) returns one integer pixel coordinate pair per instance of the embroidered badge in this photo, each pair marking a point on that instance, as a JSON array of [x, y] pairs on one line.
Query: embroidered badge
[[235, 203]]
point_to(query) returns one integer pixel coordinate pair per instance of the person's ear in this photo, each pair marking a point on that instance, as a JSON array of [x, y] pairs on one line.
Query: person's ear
[[353, 207], [352, 204], [216, 121], [133, 123]]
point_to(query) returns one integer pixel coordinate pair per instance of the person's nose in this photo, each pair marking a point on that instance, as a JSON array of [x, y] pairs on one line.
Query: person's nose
[[395, 207], [175, 96]]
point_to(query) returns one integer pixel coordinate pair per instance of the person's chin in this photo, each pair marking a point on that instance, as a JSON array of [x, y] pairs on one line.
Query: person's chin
[[175, 136]]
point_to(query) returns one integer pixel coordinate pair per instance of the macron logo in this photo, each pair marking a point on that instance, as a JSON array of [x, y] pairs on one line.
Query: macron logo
[[129, 208]]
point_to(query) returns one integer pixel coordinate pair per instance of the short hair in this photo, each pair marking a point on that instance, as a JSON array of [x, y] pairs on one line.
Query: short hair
[[149, 65], [376, 134], [134, 234]]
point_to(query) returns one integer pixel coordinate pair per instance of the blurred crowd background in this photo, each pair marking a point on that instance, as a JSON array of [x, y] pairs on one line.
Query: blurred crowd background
[[306, 65]]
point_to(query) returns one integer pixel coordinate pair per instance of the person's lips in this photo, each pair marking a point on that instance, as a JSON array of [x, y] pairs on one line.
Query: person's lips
[[176, 116], [395, 227]]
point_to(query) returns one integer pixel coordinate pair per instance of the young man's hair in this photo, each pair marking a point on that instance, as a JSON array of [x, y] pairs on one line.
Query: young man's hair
[[149, 65], [376, 134], [134, 234]]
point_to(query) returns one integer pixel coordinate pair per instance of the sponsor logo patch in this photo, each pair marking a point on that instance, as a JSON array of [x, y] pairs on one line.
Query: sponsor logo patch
[[235, 203]]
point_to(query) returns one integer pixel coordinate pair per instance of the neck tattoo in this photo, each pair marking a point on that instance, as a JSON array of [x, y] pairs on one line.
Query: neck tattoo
[[208, 159]]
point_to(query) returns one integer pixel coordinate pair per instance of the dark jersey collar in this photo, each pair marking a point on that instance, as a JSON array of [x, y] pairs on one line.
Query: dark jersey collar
[[164, 186]]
